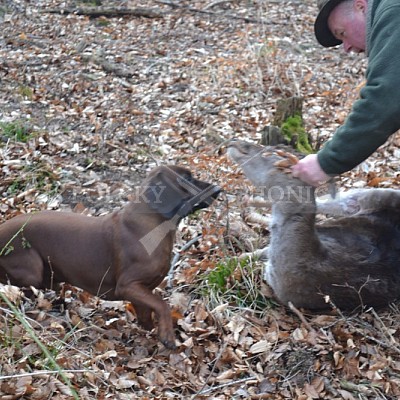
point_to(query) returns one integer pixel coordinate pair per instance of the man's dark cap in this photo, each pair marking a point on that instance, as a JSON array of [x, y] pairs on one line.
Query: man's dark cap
[[321, 28]]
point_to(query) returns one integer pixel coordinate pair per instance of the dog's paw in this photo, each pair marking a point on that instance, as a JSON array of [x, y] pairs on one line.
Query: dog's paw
[[169, 342]]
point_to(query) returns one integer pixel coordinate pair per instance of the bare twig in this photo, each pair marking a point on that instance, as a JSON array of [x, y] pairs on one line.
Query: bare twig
[[46, 372], [384, 329], [231, 383], [301, 316], [176, 258]]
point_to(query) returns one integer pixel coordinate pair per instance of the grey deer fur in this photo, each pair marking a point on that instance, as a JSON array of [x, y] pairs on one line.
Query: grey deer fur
[[355, 259]]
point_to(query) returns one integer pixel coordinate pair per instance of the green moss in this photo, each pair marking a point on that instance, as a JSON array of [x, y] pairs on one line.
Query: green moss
[[236, 283], [294, 132], [17, 130], [38, 175], [219, 278], [26, 92]]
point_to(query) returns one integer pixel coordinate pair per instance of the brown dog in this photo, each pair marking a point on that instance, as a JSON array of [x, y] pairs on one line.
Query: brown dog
[[120, 256]]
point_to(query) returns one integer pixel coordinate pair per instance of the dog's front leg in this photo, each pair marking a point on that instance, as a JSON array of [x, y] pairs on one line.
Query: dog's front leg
[[145, 301], [144, 317]]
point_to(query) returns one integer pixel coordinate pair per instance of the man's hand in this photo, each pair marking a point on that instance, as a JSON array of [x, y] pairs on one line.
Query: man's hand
[[309, 171]]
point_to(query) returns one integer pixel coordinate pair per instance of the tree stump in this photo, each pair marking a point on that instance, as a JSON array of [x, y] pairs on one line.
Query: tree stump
[[287, 127], [271, 135], [285, 108]]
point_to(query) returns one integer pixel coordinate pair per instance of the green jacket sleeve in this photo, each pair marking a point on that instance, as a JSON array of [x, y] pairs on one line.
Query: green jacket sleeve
[[376, 114]]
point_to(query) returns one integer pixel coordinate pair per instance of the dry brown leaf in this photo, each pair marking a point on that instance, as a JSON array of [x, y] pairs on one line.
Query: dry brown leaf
[[346, 395]]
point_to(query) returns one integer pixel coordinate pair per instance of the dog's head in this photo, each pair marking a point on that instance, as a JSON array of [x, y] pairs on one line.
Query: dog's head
[[173, 192]]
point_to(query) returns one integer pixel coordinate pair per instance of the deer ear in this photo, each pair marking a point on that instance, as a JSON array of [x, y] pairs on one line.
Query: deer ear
[[164, 195]]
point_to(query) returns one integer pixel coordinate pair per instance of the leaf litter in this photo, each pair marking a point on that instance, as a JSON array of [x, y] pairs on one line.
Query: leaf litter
[[99, 103]]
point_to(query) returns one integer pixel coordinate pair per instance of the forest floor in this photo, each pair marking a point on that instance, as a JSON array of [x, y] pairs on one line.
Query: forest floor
[[88, 106]]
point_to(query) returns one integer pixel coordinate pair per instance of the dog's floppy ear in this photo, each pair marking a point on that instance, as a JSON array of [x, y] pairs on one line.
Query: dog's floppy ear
[[164, 194]]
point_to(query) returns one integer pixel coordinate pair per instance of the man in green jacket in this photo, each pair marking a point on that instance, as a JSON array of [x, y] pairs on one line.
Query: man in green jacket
[[371, 26]]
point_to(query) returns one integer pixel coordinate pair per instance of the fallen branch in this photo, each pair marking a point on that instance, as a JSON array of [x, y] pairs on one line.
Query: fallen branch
[[211, 13], [108, 66], [108, 12]]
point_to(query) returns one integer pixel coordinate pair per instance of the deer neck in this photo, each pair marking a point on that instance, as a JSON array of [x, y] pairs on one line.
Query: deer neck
[[293, 221]]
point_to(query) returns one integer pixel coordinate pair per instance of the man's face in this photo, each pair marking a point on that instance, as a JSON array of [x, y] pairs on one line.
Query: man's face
[[347, 23]]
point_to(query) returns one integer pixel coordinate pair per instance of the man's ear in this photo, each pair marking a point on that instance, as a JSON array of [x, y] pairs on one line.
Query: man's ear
[[360, 5], [163, 194]]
